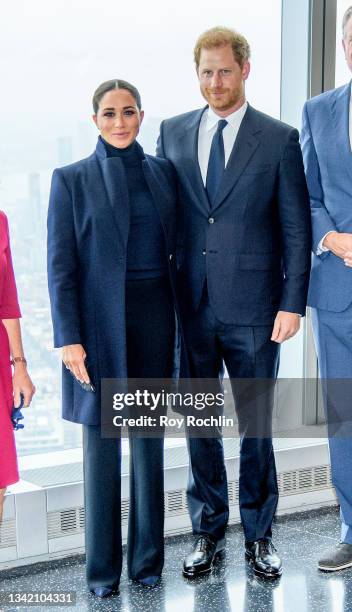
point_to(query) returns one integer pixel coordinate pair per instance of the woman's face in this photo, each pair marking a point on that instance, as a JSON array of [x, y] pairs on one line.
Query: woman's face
[[118, 118]]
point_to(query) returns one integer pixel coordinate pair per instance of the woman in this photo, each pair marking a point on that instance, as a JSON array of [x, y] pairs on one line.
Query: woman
[[11, 387], [111, 269]]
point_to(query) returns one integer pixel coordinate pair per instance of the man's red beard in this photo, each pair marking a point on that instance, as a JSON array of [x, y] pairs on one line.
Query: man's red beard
[[224, 102]]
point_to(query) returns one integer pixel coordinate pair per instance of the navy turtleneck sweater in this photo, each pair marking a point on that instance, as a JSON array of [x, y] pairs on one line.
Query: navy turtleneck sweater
[[146, 253]]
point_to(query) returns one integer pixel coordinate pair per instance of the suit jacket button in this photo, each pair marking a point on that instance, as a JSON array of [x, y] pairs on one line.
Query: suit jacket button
[[204, 252], [170, 256], [211, 220]]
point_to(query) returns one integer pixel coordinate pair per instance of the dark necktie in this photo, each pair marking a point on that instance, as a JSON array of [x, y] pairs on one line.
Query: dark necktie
[[216, 164]]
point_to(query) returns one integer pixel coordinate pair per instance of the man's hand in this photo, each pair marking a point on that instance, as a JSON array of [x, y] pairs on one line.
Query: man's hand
[[286, 325], [340, 244], [73, 356]]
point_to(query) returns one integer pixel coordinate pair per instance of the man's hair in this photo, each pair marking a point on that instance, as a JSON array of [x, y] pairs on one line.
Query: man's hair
[[115, 84], [220, 37], [345, 19]]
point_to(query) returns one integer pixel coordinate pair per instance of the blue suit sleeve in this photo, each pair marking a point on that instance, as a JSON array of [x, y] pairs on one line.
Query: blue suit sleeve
[[295, 227], [63, 264], [321, 220]]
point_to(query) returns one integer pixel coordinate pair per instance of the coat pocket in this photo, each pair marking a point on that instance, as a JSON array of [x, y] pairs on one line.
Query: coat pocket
[[258, 169]]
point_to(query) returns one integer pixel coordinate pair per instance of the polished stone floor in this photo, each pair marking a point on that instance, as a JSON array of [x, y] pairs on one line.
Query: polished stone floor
[[300, 538]]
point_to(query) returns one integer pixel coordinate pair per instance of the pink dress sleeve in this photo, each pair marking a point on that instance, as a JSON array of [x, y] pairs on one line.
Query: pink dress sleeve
[[9, 307]]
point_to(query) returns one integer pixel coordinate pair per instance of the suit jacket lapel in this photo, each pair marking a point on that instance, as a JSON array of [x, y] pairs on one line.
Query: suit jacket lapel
[[243, 149], [188, 146], [340, 107], [116, 202]]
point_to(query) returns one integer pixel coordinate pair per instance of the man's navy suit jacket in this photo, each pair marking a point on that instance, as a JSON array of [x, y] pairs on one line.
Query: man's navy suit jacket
[[253, 246]]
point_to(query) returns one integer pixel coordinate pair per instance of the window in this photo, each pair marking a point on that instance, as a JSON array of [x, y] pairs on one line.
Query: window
[[53, 56]]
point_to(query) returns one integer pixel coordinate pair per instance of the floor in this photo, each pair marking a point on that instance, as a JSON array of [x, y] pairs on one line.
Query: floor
[[300, 539]]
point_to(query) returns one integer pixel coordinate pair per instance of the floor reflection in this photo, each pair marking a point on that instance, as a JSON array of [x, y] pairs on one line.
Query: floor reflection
[[300, 538]]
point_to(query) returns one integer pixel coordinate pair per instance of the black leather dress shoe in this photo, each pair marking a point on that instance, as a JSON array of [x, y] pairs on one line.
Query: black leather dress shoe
[[262, 554], [201, 559]]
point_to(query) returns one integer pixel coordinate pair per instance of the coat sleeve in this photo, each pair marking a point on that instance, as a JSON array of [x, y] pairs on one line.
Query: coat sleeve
[[63, 264], [295, 226], [322, 223], [9, 308]]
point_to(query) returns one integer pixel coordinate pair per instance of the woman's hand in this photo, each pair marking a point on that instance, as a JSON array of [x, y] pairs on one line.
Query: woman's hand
[[21, 383], [73, 356]]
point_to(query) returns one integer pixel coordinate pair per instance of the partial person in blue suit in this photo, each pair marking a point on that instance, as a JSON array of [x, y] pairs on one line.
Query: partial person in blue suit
[[111, 272], [244, 261], [326, 144]]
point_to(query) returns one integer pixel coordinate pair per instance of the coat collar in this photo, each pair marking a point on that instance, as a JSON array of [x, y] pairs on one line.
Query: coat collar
[[117, 196]]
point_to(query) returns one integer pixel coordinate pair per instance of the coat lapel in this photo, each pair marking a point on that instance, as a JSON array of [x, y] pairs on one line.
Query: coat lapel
[[160, 190], [116, 201], [340, 107], [243, 149]]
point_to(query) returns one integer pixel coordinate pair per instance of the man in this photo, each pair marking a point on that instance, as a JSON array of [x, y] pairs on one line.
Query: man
[[326, 144], [244, 273]]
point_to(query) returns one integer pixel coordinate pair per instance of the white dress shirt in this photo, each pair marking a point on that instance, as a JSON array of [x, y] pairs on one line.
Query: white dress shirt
[[323, 249], [207, 129]]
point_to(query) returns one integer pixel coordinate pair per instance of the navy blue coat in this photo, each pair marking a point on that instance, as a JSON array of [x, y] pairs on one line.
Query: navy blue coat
[[254, 245], [88, 226]]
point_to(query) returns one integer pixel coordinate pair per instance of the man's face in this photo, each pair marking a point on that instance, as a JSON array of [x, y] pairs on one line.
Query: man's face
[[222, 79], [347, 43]]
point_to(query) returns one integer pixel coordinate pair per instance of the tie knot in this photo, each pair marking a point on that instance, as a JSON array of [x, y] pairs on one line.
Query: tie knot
[[222, 124]]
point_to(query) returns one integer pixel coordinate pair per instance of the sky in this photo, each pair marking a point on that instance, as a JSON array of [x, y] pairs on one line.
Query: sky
[[54, 54]]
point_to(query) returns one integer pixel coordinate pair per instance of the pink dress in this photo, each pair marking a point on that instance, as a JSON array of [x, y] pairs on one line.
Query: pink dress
[[9, 309]]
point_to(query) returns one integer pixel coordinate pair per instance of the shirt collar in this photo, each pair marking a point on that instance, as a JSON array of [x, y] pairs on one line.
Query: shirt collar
[[234, 119]]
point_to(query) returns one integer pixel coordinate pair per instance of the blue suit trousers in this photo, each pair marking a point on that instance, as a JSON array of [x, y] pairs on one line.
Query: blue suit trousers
[[333, 339], [248, 353]]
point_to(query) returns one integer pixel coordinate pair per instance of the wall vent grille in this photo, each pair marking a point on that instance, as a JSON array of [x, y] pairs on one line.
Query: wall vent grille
[[8, 533], [175, 502], [124, 510], [71, 520], [65, 522], [305, 480]]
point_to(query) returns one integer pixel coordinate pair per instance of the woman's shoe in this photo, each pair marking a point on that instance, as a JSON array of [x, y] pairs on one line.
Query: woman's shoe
[[104, 591], [150, 581]]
